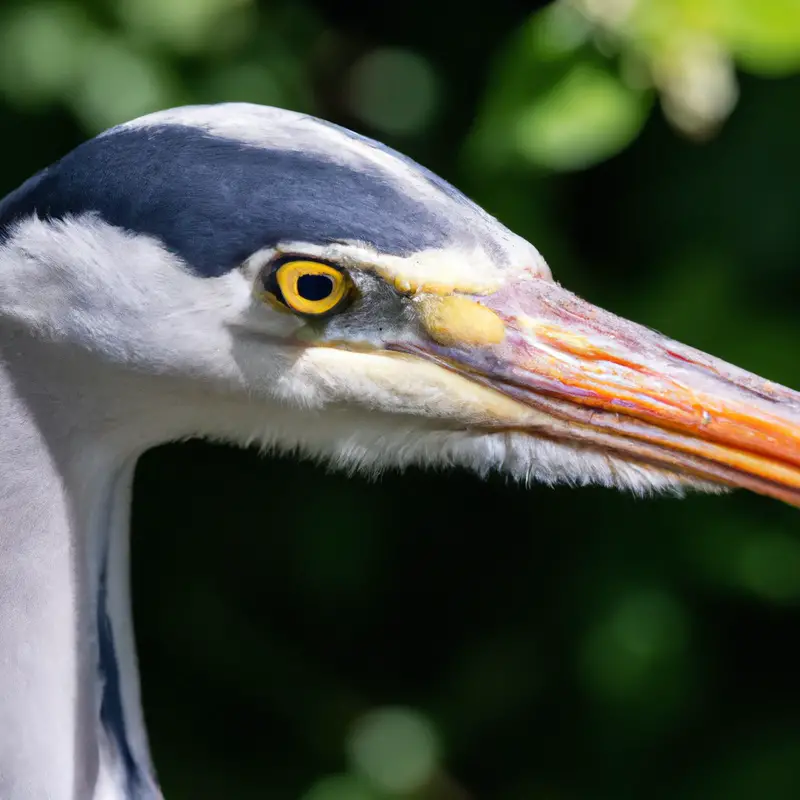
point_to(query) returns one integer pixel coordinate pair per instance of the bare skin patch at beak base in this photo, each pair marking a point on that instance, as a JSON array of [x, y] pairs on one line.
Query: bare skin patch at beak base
[[456, 321]]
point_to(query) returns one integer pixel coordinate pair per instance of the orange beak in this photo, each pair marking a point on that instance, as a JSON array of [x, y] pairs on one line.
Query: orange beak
[[630, 391]]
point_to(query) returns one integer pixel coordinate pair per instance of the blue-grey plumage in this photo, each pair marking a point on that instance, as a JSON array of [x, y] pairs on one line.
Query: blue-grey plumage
[[258, 276], [214, 199]]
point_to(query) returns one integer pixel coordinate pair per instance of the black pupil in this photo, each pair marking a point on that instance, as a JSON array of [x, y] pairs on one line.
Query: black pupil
[[314, 287]]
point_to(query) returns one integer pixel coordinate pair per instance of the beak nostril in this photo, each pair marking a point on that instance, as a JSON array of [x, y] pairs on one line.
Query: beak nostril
[[457, 321]]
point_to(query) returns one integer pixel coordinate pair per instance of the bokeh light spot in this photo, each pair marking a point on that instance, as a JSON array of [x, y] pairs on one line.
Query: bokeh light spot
[[393, 90], [698, 84], [586, 117], [636, 646], [395, 748], [769, 566], [761, 562], [41, 51], [119, 84], [186, 26], [558, 30], [340, 787]]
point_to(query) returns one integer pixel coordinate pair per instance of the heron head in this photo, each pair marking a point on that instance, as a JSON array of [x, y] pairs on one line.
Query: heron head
[[331, 296]]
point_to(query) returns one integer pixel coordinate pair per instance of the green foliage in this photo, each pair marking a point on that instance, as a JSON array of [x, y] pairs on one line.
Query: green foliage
[[433, 637]]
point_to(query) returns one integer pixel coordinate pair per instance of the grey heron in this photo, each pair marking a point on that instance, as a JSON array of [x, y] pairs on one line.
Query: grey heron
[[256, 275]]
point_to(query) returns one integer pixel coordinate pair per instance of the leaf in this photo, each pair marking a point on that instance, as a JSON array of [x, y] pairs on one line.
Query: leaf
[[586, 117], [764, 35]]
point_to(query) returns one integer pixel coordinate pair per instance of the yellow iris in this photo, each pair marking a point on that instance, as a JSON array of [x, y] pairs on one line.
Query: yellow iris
[[311, 287]]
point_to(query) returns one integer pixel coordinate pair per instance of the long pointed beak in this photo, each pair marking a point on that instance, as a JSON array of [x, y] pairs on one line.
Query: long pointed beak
[[613, 385]]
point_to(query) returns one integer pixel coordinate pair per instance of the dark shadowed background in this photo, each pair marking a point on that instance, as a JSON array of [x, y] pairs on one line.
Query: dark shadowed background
[[430, 636]]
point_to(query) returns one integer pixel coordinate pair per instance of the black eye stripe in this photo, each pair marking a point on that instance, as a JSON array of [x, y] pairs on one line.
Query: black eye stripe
[[270, 284], [314, 287]]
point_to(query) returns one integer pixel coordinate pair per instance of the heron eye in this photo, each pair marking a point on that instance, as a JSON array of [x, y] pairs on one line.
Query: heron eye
[[310, 287]]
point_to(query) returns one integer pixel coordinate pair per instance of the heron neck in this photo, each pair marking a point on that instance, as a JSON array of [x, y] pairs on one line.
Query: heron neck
[[71, 726]]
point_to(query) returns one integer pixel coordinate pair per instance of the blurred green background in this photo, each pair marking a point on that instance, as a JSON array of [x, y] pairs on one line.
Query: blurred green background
[[432, 636]]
